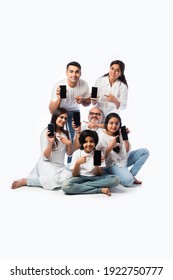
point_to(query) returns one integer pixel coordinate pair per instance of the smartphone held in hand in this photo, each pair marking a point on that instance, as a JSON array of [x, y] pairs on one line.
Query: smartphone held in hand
[[97, 158], [124, 133], [94, 92], [51, 128], [63, 91], [76, 118]]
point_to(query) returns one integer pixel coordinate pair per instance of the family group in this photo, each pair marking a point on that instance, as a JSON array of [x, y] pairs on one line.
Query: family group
[[92, 156]]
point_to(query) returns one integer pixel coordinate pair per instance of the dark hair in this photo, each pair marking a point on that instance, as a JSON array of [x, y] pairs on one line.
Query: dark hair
[[54, 117], [122, 78], [74, 63], [85, 133], [110, 116]]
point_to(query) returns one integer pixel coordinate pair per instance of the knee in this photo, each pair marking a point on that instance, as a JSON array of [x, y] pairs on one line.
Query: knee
[[128, 181], [116, 180], [146, 152], [66, 185]]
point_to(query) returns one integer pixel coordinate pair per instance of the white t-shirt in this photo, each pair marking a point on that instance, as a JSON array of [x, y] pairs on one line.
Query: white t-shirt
[[118, 89], [120, 158], [69, 103], [87, 168], [85, 126]]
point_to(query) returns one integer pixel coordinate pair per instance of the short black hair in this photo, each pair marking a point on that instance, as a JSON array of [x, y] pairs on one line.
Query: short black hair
[[74, 63], [85, 133]]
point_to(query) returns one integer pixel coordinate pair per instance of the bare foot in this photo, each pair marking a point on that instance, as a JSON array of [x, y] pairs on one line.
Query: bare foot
[[106, 191], [137, 182], [19, 183]]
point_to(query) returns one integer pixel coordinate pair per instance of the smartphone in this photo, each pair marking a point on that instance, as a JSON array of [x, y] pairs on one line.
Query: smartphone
[[118, 138], [76, 118], [51, 128], [124, 132], [97, 158], [63, 91], [94, 92]]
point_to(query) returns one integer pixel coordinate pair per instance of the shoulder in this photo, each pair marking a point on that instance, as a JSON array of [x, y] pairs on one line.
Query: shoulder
[[122, 85], [82, 83], [101, 80], [62, 82]]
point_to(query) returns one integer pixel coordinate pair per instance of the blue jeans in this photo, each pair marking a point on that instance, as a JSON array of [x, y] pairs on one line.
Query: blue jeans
[[135, 160], [89, 184], [71, 130]]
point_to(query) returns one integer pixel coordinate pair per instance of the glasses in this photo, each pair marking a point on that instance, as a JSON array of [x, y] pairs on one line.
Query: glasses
[[92, 113], [114, 123]]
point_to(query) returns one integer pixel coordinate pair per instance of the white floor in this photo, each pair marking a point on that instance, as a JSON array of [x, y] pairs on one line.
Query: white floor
[[134, 223]]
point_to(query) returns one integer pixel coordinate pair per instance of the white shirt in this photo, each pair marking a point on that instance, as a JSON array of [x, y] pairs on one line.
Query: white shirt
[[120, 159], [118, 89], [87, 168], [69, 103], [85, 126]]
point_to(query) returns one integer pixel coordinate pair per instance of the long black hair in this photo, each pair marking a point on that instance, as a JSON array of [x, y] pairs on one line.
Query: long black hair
[[122, 78], [85, 133], [54, 117], [108, 117]]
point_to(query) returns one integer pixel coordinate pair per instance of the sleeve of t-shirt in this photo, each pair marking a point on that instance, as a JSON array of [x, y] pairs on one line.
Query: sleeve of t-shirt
[[53, 92], [43, 143], [123, 95]]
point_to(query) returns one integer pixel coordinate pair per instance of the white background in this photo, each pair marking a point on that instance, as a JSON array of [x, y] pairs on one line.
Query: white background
[[38, 39]]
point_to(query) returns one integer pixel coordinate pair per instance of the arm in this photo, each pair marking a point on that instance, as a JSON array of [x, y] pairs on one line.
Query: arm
[[84, 101], [98, 171], [127, 145], [113, 99], [54, 104], [69, 147]]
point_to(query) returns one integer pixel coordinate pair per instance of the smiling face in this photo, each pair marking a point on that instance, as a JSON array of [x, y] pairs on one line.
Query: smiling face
[[113, 125], [61, 120], [73, 74], [114, 72], [89, 144], [95, 115]]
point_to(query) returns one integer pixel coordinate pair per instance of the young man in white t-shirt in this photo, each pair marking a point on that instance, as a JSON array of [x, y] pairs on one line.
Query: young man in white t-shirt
[[77, 92]]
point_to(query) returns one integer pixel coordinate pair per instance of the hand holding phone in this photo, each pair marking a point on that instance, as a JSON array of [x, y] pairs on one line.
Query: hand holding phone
[[76, 118], [124, 133], [97, 158], [63, 91], [94, 92], [51, 128]]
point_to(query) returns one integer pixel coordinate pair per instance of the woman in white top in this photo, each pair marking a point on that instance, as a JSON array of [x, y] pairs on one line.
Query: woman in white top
[[50, 170], [116, 148], [88, 177], [112, 89]]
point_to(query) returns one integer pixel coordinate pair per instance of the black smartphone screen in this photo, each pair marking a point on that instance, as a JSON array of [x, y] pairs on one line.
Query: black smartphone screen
[[97, 158], [76, 118], [124, 133], [63, 91], [94, 92], [118, 138], [51, 128]]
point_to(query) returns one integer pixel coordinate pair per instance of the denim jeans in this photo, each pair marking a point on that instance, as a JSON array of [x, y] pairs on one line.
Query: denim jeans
[[70, 129], [135, 160], [89, 184]]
